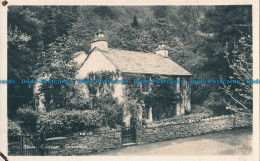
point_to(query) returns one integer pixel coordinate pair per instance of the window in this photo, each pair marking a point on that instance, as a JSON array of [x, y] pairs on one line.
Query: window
[[145, 87]]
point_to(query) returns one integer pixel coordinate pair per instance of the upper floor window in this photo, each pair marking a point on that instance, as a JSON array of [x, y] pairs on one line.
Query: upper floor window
[[146, 87]]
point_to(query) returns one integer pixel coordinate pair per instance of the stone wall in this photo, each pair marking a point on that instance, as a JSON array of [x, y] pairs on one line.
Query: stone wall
[[242, 120], [84, 143], [158, 132]]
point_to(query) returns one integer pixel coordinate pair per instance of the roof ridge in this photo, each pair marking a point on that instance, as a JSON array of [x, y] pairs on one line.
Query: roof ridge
[[108, 59], [141, 62], [133, 51]]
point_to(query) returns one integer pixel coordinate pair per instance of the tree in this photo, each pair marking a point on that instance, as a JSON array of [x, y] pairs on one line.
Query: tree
[[58, 64], [221, 25], [19, 67], [240, 61], [134, 23], [30, 31]]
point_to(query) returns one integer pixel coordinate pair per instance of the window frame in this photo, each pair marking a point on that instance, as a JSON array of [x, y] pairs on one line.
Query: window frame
[[149, 87]]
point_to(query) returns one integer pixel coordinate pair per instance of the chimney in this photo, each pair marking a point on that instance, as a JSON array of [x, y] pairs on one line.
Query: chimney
[[99, 41], [162, 50]]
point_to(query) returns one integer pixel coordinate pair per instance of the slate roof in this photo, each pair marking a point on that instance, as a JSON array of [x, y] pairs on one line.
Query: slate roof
[[140, 62]]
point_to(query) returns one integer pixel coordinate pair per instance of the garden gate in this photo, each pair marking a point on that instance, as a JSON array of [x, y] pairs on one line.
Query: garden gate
[[129, 133]]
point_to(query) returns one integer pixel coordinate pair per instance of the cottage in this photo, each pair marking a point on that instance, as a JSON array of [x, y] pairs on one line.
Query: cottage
[[148, 65], [103, 58]]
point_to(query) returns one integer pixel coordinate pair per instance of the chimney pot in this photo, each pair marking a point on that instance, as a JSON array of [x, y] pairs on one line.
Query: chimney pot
[[162, 50], [99, 41]]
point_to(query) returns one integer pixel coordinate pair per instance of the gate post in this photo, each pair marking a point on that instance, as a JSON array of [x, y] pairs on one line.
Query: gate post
[[119, 129], [44, 142], [21, 144]]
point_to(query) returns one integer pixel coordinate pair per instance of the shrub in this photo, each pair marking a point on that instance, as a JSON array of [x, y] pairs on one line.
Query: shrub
[[78, 120], [200, 93], [64, 122], [200, 109], [112, 115], [216, 104], [110, 110], [29, 118], [14, 131], [51, 122]]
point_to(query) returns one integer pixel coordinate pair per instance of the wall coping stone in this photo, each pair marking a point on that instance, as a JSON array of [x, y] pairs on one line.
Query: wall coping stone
[[154, 124]]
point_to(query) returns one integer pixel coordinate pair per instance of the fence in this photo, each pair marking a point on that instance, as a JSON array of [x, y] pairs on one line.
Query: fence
[[27, 145]]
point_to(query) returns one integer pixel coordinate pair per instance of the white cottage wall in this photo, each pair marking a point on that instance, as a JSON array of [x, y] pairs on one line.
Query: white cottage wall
[[96, 62]]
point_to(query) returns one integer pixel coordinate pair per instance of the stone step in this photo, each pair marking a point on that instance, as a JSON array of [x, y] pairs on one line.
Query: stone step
[[129, 144]]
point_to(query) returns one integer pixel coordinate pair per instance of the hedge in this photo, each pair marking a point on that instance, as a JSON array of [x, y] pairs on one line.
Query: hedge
[[29, 118], [14, 131], [64, 122]]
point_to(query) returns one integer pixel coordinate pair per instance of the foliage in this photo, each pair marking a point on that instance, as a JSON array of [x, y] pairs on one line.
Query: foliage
[[216, 103], [133, 107], [228, 32], [19, 66], [14, 131], [241, 98], [63, 121], [57, 64], [200, 93], [161, 99], [135, 22], [102, 98], [110, 111], [201, 109], [200, 38], [29, 118], [30, 31]]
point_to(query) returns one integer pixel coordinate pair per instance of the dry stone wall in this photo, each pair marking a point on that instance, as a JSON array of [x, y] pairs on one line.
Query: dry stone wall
[[171, 130], [84, 143]]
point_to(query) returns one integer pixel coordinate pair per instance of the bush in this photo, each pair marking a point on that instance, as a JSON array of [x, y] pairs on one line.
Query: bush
[[216, 104], [29, 118], [200, 109], [200, 93], [64, 122], [112, 115], [14, 131], [110, 110]]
